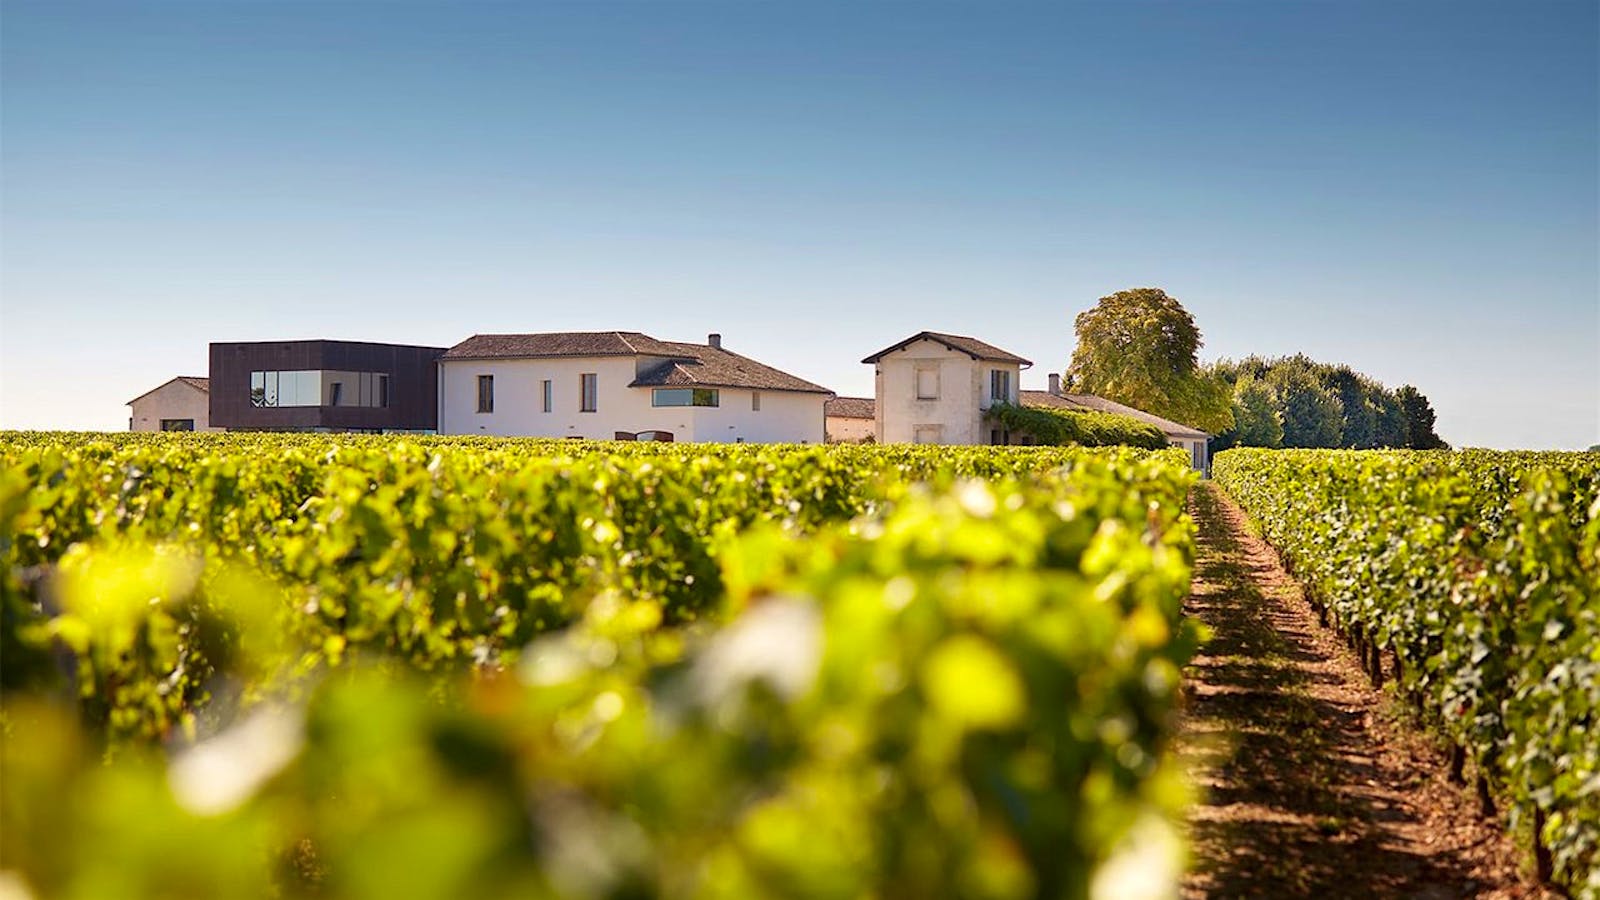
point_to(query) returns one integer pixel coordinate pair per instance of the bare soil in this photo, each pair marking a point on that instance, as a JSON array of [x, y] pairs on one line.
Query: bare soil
[[1314, 783]]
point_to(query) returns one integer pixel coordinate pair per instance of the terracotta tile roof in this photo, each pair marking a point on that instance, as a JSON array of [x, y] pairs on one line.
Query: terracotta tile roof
[[961, 343], [561, 343], [683, 365], [850, 408], [195, 381], [699, 365], [1091, 402]]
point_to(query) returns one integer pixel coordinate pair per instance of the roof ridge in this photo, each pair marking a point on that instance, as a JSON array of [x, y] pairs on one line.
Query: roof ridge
[[961, 343], [1125, 409], [185, 379]]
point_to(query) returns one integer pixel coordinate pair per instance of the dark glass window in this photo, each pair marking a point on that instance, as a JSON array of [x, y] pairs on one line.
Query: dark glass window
[[685, 397], [999, 386], [486, 393], [589, 392], [316, 387]]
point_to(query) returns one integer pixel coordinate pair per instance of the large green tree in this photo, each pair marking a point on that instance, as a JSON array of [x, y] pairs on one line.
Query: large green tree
[[1139, 347]]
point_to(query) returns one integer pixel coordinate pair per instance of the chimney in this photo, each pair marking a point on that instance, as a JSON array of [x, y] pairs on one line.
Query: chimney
[[1055, 384], [715, 340]]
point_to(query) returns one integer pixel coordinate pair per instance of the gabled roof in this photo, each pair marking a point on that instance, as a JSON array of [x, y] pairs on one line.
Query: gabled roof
[[700, 365], [960, 343], [560, 343], [203, 385], [851, 408], [1100, 404]]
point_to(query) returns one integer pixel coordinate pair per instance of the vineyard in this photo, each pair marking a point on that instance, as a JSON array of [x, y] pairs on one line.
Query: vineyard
[[250, 665], [371, 667], [1474, 578]]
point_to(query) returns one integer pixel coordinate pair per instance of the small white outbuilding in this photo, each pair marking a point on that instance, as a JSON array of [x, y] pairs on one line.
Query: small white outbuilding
[[1187, 438], [182, 404]]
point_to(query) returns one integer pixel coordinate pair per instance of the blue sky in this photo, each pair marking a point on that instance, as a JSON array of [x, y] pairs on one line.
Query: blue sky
[[1410, 188]]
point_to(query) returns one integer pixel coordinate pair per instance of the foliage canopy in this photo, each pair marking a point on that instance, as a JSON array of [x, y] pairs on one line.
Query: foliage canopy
[[1295, 401], [1139, 347]]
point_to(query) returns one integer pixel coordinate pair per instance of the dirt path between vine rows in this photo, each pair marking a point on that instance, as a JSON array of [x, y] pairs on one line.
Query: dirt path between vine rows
[[1312, 784]]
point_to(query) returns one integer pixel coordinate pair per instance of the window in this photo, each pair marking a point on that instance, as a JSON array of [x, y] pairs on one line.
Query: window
[[549, 395], [177, 424], [588, 392], [999, 386], [317, 387], [486, 393], [927, 434], [685, 397], [755, 401], [927, 382], [298, 388]]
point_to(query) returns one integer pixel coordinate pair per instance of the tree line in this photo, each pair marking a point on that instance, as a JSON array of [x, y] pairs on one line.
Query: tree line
[[1295, 401], [1140, 347]]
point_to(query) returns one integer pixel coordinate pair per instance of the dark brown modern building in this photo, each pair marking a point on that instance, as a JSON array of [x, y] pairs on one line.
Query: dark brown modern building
[[324, 386]]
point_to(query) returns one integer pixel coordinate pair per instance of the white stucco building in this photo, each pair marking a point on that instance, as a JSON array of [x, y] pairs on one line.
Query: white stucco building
[[622, 384], [933, 388], [182, 404]]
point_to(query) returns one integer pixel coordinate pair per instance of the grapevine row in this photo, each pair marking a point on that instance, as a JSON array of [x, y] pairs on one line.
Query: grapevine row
[[447, 668], [1478, 574]]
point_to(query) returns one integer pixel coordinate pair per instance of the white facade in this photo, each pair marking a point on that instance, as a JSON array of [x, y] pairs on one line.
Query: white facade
[[519, 391], [930, 393], [178, 405]]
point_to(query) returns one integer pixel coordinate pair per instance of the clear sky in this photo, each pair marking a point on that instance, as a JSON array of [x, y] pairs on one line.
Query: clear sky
[[1407, 187]]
